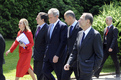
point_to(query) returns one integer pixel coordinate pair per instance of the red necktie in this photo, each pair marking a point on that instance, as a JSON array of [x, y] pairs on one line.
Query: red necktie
[[107, 31]]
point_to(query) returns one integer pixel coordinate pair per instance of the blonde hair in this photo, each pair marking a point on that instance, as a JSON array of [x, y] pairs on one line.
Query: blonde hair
[[25, 22]]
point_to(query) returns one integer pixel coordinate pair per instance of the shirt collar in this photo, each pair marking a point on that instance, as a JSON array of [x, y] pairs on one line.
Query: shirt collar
[[110, 26], [87, 31], [74, 24], [56, 22], [41, 26]]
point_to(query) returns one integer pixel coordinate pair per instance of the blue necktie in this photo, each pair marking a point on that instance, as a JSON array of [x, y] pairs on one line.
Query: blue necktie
[[70, 30], [51, 30], [83, 37]]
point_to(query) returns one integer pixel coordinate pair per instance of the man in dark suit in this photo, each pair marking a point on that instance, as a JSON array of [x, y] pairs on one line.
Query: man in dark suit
[[110, 46], [40, 43], [87, 49], [73, 29], [56, 42], [2, 49]]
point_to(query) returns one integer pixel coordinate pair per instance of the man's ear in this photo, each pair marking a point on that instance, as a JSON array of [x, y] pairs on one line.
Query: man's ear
[[88, 21], [43, 20]]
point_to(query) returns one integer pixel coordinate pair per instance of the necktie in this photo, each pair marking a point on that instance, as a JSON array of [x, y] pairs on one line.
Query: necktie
[[51, 30], [70, 30], [107, 31], [83, 37], [38, 31]]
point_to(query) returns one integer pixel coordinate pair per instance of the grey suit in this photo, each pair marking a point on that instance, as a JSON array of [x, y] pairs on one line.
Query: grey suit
[[89, 54]]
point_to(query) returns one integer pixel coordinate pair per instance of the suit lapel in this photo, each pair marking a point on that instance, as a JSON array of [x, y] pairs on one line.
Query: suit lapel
[[68, 32], [80, 38], [89, 35], [109, 30], [41, 30], [74, 30], [48, 33], [36, 32], [54, 30]]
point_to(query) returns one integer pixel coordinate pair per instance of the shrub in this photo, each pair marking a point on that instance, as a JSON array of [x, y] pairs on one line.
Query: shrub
[[12, 11]]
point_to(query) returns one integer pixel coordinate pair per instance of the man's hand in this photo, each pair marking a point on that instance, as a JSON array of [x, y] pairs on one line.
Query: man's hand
[[66, 67], [110, 49], [55, 59]]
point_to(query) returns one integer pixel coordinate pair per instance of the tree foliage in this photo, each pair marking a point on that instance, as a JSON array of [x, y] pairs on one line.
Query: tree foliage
[[11, 11]]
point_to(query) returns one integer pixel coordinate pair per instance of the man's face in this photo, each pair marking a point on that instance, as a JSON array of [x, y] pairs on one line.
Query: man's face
[[82, 21], [67, 19], [38, 19], [52, 19], [107, 21]]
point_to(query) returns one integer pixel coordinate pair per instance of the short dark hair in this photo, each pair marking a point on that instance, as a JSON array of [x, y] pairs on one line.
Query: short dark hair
[[88, 16], [44, 16], [70, 13]]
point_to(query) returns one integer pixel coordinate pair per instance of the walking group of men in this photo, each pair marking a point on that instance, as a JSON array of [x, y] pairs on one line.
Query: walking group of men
[[77, 48]]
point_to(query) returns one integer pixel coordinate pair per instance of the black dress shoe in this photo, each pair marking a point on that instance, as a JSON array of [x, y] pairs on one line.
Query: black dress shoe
[[117, 75], [96, 75]]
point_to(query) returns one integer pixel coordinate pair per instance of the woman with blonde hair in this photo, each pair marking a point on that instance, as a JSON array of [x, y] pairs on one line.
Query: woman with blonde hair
[[25, 51]]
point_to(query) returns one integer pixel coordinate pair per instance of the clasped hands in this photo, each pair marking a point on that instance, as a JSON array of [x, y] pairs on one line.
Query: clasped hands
[[22, 44]]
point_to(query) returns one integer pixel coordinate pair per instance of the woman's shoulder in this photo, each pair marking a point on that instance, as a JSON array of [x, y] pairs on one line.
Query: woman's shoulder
[[28, 32]]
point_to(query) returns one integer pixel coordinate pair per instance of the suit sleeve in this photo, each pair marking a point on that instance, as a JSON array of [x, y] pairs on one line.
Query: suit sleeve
[[2, 49], [98, 51], [30, 38], [63, 40], [73, 55], [115, 36]]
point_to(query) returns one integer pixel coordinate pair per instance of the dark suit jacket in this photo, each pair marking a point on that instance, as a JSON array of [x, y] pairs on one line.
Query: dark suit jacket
[[89, 54], [56, 45], [2, 49], [72, 38], [40, 43], [112, 36]]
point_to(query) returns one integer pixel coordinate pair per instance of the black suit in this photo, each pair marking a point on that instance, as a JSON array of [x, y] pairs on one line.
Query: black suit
[[2, 49], [88, 54], [112, 36], [55, 46], [39, 50], [70, 42]]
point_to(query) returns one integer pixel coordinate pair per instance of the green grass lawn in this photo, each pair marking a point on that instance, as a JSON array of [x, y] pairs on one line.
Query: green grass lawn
[[9, 68]]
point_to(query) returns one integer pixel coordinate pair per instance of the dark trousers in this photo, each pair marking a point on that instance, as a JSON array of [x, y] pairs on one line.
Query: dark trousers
[[2, 77], [115, 60], [85, 76], [48, 67], [38, 69], [67, 73]]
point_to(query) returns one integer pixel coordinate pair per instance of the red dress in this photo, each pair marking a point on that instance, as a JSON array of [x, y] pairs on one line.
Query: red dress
[[24, 55]]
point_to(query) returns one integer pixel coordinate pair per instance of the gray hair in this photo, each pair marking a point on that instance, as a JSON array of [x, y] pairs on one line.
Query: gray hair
[[54, 11], [109, 17], [70, 13]]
